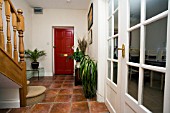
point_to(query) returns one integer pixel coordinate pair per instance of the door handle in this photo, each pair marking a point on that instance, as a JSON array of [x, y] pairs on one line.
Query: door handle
[[63, 55], [54, 46], [123, 50]]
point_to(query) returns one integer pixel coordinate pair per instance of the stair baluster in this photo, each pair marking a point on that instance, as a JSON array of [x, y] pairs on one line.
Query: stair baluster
[[2, 45], [14, 24], [7, 13]]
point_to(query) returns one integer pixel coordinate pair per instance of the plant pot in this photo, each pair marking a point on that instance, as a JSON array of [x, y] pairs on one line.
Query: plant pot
[[35, 65], [77, 64]]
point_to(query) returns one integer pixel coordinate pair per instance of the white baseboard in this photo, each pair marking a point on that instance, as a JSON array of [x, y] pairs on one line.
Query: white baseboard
[[48, 74], [100, 98], [9, 104]]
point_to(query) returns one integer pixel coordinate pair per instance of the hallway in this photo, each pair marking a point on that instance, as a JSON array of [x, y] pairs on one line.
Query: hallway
[[61, 96]]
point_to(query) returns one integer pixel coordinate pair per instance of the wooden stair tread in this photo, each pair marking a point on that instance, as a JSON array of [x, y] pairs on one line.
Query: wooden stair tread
[[35, 91]]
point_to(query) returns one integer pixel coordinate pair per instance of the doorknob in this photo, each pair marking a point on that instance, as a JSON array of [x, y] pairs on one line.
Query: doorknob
[[63, 55], [123, 50], [54, 46]]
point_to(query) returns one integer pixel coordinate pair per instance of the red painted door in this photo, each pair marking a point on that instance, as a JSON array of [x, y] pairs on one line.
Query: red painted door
[[63, 42]]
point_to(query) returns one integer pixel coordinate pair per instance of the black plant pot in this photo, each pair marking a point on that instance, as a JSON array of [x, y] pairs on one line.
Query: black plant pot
[[35, 65]]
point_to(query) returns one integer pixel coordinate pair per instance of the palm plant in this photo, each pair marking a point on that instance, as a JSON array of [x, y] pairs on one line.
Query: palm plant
[[88, 73], [34, 55]]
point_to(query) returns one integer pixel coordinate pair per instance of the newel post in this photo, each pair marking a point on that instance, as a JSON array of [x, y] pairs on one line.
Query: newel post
[[20, 29], [2, 45]]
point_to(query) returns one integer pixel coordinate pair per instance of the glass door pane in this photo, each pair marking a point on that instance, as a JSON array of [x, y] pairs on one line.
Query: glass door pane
[[135, 10]]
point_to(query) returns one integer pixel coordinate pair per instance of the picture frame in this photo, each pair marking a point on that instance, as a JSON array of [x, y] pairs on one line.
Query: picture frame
[[90, 17], [90, 37]]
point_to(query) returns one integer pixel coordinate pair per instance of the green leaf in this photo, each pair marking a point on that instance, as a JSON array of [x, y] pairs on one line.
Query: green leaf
[[35, 54]]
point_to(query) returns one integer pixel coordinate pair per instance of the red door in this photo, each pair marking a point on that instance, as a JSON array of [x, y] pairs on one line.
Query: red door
[[63, 42]]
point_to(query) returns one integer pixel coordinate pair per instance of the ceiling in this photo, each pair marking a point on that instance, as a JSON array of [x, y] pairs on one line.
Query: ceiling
[[60, 4]]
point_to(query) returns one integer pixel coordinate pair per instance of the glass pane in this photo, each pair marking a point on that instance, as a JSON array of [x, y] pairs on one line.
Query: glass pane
[[110, 27], [116, 23], [109, 69], [155, 44], [115, 64], [133, 77], [154, 7], [115, 4], [110, 7], [115, 56], [109, 48], [134, 46], [153, 90], [135, 12]]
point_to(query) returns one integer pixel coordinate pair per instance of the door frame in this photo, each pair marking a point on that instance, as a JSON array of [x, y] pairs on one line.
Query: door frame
[[53, 36]]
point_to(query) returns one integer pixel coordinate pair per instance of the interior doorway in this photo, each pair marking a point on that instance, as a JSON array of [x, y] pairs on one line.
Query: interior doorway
[[63, 43]]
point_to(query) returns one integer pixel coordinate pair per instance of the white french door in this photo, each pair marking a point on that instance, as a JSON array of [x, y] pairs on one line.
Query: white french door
[[139, 82], [112, 84]]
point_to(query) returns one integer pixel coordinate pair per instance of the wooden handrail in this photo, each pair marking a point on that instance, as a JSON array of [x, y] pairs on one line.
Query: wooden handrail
[[13, 10]]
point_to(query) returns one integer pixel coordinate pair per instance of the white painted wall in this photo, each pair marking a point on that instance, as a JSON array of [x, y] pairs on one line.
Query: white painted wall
[[97, 50], [42, 32], [92, 49]]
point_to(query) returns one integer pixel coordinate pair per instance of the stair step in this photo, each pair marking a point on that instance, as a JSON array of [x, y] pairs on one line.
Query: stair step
[[35, 94], [34, 91]]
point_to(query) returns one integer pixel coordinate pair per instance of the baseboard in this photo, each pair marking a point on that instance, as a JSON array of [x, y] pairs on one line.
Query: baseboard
[[48, 74], [100, 98], [9, 104]]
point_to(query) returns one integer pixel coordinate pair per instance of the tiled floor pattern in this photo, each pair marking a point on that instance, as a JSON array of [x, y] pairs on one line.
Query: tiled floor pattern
[[61, 97]]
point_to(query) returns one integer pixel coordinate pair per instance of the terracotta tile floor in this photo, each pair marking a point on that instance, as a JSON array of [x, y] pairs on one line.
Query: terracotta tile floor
[[61, 96]]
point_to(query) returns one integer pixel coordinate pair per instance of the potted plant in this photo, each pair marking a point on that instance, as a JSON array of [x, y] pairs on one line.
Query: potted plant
[[82, 44], [77, 55], [88, 74], [34, 55]]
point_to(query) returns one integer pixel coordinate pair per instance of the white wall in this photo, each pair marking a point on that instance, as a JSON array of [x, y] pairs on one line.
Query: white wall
[[42, 36], [97, 50], [92, 49]]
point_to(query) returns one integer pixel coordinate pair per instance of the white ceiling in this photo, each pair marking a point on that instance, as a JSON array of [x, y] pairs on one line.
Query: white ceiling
[[60, 4]]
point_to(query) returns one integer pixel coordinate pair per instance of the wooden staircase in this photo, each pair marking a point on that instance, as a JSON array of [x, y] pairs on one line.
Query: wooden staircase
[[10, 66]]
